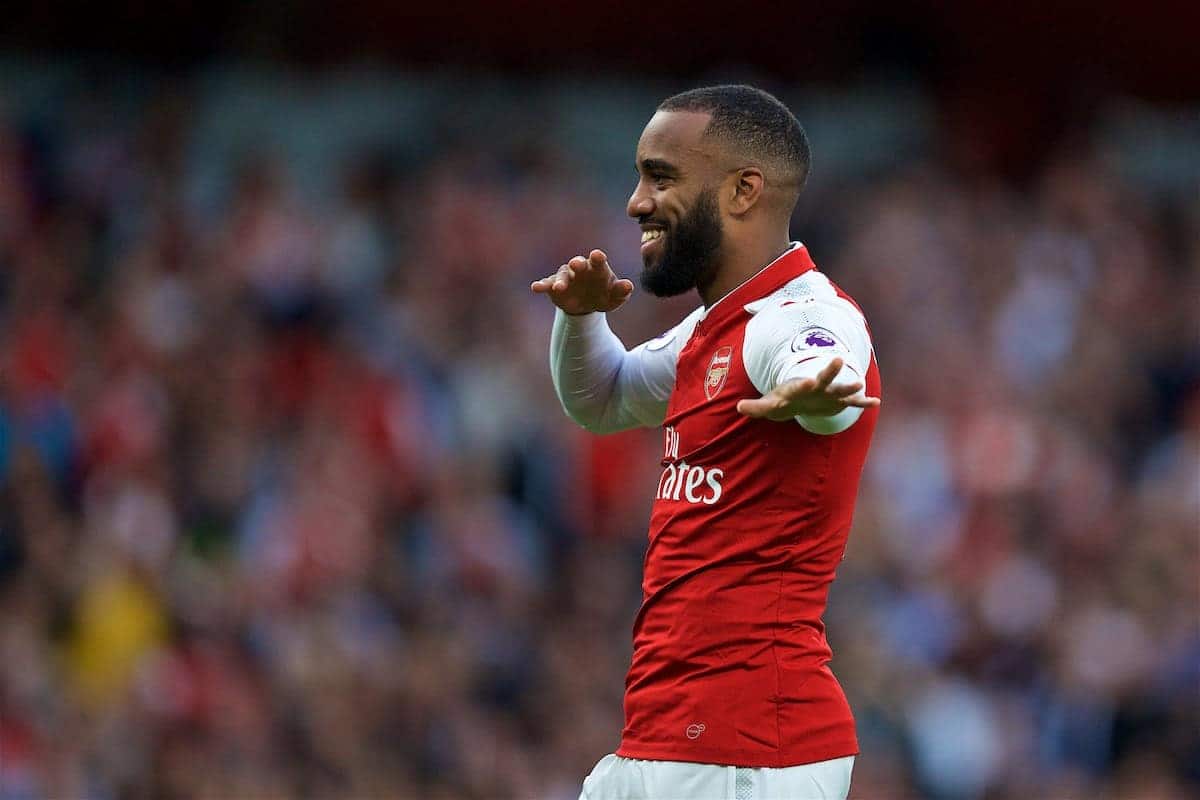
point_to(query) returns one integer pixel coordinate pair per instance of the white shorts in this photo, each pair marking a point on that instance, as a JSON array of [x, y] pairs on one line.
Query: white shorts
[[617, 778]]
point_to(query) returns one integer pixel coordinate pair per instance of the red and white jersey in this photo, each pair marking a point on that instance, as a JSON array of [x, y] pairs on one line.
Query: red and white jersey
[[750, 519]]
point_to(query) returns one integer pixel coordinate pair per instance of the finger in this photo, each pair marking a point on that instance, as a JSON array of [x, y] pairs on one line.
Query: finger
[[598, 259], [621, 290], [790, 390], [562, 278], [860, 401], [542, 285], [844, 389], [825, 376], [577, 264]]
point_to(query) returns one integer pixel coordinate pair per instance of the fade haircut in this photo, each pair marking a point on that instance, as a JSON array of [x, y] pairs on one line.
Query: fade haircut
[[753, 122]]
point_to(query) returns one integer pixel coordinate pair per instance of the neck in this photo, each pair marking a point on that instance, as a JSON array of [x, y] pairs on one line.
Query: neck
[[741, 262]]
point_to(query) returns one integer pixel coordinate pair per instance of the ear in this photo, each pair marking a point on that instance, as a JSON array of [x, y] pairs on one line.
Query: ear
[[746, 190]]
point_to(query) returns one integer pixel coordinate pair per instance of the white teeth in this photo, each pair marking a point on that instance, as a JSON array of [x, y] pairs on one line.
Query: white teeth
[[650, 235]]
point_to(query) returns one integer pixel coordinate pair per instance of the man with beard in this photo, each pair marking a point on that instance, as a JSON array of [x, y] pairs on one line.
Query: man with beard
[[767, 396]]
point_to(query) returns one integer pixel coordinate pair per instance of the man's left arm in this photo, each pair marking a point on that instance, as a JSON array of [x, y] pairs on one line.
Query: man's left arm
[[809, 360]]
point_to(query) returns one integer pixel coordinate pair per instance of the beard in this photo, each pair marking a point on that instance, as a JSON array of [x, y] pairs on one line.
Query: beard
[[689, 260]]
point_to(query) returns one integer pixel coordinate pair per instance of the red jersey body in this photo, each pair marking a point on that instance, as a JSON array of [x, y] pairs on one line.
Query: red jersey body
[[749, 524]]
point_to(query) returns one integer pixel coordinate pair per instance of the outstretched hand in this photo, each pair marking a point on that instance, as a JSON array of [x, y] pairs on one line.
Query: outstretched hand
[[817, 397], [584, 285]]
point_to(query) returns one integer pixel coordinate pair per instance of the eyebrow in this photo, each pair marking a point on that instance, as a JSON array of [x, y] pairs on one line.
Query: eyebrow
[[656, 165]]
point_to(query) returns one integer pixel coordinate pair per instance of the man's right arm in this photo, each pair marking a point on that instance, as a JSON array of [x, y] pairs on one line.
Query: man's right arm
[[602, 386]]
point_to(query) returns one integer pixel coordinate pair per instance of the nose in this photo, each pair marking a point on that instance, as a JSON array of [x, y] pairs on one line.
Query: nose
[[641, 204]]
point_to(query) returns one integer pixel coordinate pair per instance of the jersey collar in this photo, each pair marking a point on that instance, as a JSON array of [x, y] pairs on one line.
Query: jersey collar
[[791, 264]]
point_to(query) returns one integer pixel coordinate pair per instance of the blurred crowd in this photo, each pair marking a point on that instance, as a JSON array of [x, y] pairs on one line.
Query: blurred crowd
[[288, 507]]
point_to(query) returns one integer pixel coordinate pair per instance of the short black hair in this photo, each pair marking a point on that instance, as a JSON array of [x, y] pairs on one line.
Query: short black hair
[[753, 121]]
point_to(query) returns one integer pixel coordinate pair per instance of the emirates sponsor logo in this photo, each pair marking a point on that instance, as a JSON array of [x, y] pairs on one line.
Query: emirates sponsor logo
[[718, 371], [690, 484], [670, 444], [682, 481]]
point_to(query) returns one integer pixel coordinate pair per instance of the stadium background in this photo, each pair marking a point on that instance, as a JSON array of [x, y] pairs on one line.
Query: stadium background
[[287, 505]]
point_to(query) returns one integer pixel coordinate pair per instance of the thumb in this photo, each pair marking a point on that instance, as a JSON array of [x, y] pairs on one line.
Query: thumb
[[756, 407]]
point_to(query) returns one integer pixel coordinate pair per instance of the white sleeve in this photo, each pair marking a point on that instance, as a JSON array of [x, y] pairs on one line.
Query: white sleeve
[[602, 386], [797, 339]]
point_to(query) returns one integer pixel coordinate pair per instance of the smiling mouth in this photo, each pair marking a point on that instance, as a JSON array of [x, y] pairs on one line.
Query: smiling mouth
[[651, 235]]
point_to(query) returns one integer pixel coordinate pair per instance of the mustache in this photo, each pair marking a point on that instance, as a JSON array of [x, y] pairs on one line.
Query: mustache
[[651, 221]]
